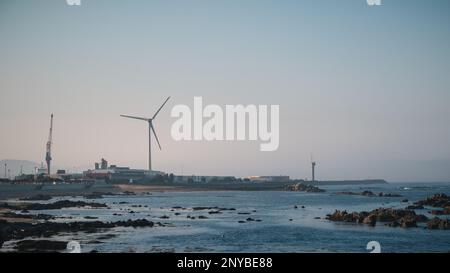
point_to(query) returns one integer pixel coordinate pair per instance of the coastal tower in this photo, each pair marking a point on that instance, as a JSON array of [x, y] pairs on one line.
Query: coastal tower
[[48, 155], [313, 167]]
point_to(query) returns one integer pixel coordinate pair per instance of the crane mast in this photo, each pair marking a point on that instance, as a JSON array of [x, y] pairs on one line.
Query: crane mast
[[48, 156]]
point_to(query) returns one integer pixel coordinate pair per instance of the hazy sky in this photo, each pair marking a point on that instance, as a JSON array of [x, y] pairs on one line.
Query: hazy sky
[[366, 90]]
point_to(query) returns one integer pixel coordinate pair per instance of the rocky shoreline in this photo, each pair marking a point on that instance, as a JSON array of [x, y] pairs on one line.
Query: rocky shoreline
[[370, 194], [18, 231], [26, 231], [19, 226], [405, 218], [304, 188]]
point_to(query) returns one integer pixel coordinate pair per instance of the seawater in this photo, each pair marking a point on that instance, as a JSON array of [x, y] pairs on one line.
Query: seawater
[[282, 227]]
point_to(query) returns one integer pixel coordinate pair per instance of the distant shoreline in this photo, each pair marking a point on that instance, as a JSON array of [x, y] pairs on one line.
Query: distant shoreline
[[9, 191]]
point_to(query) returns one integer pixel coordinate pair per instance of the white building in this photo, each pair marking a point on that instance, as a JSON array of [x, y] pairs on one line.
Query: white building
[[279, 178]]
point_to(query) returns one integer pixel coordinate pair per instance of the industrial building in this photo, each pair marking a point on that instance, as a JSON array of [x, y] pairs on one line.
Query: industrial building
[[116, 174], [269, 178], [204, 179]]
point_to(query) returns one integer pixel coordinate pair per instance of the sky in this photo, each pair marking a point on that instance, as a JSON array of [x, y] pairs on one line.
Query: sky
[[363, 89]]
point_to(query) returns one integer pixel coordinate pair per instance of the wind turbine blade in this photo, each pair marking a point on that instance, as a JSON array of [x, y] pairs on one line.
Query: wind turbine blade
[[146, 119], [157, 112], [156, 137]]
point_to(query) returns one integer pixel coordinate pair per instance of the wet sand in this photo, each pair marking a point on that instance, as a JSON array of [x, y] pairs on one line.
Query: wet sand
[[8, 191], [16, 191]]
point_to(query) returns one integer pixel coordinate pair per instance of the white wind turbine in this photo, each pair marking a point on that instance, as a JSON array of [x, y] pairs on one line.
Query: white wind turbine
[[150, 130]]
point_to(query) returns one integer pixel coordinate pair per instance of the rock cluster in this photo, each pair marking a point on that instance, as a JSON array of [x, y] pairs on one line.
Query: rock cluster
[[40, 246], [437, 201], [303, 187], [212, 208], [52, 206], [437, 223], [394, 217], [18, 231], [371, 194]]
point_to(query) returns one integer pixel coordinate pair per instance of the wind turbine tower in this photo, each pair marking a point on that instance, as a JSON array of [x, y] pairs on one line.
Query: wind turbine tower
[[313, 168], [48, 155], [151, 129]]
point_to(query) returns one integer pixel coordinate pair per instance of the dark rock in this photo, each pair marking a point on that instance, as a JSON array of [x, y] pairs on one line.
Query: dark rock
[[18, 231], [437, 223], [408, 222], [421, 218], [60, 205], [13, 215], [393, 224], [211, 208], [397, 217], [445, 211], [139, 223], [203, 208], [215, 212], [367, 193], [40, 246], [413, 207], [94, 242], [370, 220], [370, 194], [438, 201], [106, 236], [381, 194], [348, 193], [303, 187]]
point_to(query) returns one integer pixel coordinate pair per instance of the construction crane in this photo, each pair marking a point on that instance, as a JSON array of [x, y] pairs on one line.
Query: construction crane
[[48, 156]]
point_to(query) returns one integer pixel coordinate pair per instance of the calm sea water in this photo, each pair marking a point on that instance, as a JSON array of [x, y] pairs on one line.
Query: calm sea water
[[282, 227]]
